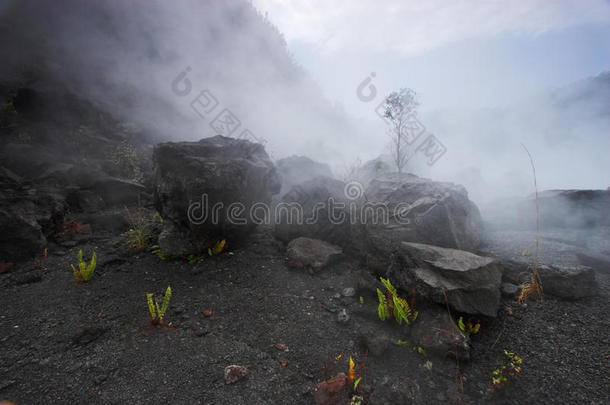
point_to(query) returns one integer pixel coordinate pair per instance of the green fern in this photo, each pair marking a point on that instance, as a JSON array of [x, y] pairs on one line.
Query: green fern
[[84, 271], [468, 327], [157, 313], [508, 370], [399, 306], [382, 309], [151, 306]]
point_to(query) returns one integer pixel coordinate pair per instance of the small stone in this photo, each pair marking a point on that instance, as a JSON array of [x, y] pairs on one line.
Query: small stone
[[509, 289], [282, 347], [199, 332], [312, 254], [342, 316], [234, 373], [348, 292], [100, 379]]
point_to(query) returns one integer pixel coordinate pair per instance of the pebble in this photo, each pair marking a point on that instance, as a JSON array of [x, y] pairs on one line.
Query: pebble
[[100, 378], [262, 356], [348, 292], [234, 373], [201, 331], [342, 316]]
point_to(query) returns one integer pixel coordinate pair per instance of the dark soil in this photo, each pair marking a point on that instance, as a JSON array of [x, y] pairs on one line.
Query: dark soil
[[65, 342]]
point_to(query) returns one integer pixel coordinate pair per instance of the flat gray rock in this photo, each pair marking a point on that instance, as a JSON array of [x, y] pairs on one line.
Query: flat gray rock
[[470, 282]]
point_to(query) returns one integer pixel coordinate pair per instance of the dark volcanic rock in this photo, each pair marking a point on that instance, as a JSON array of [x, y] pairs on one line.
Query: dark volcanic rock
[[27, 217], [571, 282], [438, 335], [425, 211], [294, 170], [471, 282], [205, 190], [371, 224], [317, 209], [311, 254]]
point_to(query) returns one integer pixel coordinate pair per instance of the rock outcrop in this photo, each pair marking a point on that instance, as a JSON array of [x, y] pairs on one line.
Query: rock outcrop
[[205, 191], [425, 211], [471, 283]]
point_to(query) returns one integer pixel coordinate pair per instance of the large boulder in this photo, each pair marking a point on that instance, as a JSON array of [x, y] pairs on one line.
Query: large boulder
[[469, 283], [319, 209], [424, 211], [205, 191], [372, 222], [570, 282], [295, 170]]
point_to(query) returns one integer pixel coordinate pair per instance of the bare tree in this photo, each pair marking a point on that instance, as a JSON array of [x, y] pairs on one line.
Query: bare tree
[[399, 109]]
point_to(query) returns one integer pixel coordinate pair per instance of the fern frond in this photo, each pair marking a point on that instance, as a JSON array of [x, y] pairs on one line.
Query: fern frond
[[151, 307], [461, 324], [76, 273], [158, 312], [382, 308], [168, 295], [388, 285], [88, 272]]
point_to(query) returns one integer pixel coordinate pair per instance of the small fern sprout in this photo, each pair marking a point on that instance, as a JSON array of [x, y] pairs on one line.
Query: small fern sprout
[[469, 327], [157, 313], [84, 271]]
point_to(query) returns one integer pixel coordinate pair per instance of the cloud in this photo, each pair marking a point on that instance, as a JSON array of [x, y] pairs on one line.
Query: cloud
[[411, 27]]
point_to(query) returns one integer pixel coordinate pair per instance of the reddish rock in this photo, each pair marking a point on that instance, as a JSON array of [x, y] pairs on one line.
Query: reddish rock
[[281, 346], [332, 392]]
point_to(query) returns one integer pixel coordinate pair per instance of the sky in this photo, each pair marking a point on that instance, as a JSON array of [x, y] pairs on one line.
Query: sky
[[431, 46], [463, 58]]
